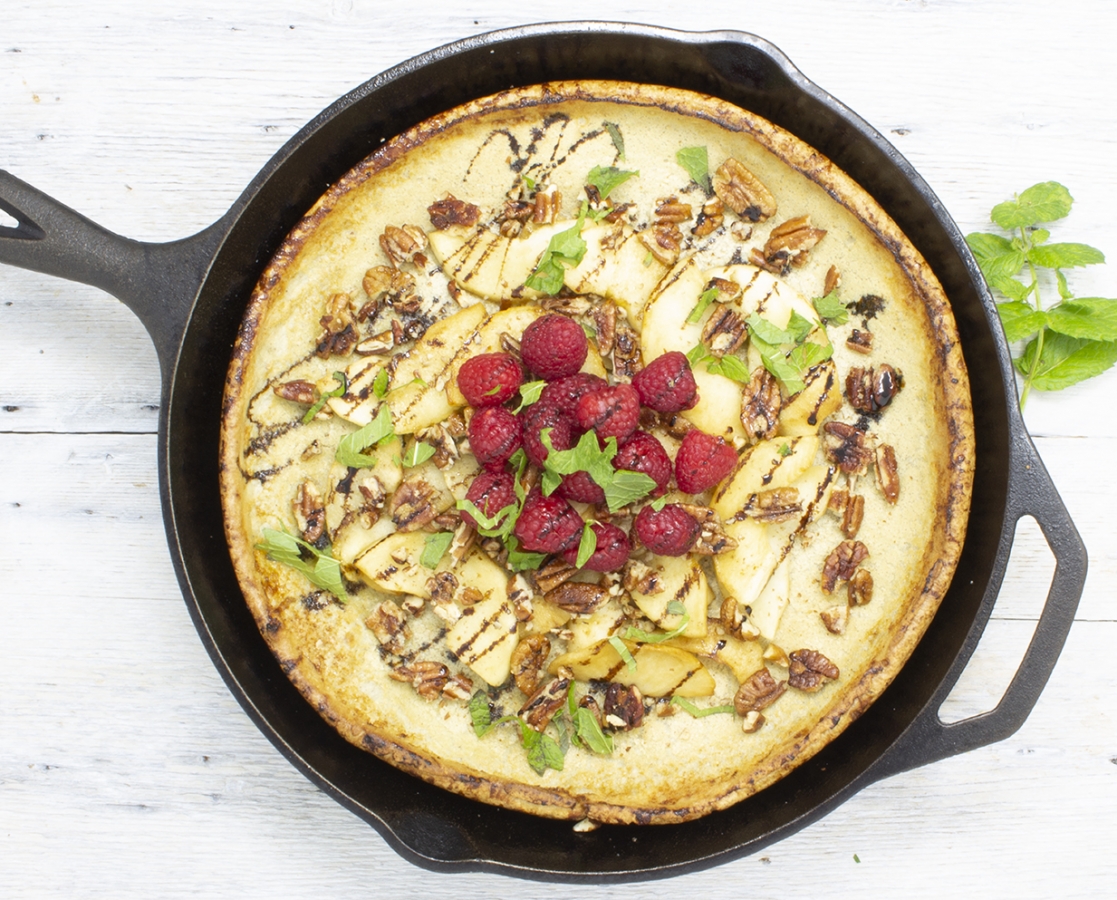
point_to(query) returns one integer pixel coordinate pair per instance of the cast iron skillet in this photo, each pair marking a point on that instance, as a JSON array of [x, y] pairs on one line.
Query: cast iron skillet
[[190, 295]]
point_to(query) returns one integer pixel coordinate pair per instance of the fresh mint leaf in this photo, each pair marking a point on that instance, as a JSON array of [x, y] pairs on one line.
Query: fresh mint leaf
[[658, 503], [543, 751], [589, 732], [731, 367], [623, 651], [498, 526], [521, 560], [708, 297], [807, 355], [350, 450], [700, 713], [1086, 317], [616, 137], [697, 353], [767, 332], [529, 393], [586, 546], [565, 247], [480, 713], [996, 256], [380, 384], [318, 566], [336, 392], [435, 548], [830, 309], [777, 363], [799, 327], [1044, 202], [785, 450], [627, 487], [606, 178], [585, 456], [1065, 256], [1064, 361], [1010, 287], [1020, 320], [696, 161], [675, 608], [417, 454]]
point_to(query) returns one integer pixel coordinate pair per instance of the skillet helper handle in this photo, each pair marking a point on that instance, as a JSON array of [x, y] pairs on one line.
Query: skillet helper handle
[[929, 739], [158, 282]]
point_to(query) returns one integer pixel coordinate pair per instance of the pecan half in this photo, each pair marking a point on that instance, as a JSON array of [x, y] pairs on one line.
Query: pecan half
[[626, 352], [452, 211], [710, 219], [832, 282], [412, 506], [459, 687], [401, 244], [860, 341], [845, 446], [551, 575], [860, 588], [545, 702], [851, 509], [297, 391], [725, 331], [339, 332], [388, 623], [841, 564], [671, 209], [624, 707], [664, 240], [759, 691], [427, 677], [605, 324], [577, 597], [773, 505], [310, 512], [870, 390], [760, 405], [743, 192], [788, 245], [527, 662], [810, 670], [547, 204], [888, 479]]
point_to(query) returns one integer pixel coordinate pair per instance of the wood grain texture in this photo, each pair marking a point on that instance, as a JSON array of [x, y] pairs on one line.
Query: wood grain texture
[[126, 768]]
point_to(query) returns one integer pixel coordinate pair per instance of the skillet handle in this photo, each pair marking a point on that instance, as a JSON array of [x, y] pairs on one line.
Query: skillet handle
[[928, 739], [158, 282]]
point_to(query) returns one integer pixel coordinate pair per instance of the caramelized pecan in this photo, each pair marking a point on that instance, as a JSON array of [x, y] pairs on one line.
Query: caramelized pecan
[[427, 677], [339, 332], [759, 691], [841, 564], [551, 575], [547, 204], [452, 211], [760, 405], [389, 625], [835, 618], [664, 240], [527, 662], [624, 707], [888, 479], [442, 586], [773, 505], [670, 209], [845, 446], [412, 506], [310, 512], [860, 341], [459, 687], [725, 331], [545, 702], [297, 391], [401, 244], [871, 390], [810, 670], [605, 325], [626, 352], [743, 192], [710, 219], [851, 509], [642, 578], [577, 597], [833, 280], [860, 587]]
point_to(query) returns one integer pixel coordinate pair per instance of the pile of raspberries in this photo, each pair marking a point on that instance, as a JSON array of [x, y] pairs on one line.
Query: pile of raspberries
[[553, 349]]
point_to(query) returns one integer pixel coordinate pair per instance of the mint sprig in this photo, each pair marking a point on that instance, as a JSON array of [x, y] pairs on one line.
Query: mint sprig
[[435, 548], [336, 392], [543, 751], [606, 178], [621, 486], [1065, 342], [708, 297], [350, 450], [317, 565], [566, 247], [646, 637], [696, 161], [701, 712]]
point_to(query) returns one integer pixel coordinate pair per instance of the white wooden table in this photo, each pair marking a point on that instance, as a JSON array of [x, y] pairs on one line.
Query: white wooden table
[[127, 769]]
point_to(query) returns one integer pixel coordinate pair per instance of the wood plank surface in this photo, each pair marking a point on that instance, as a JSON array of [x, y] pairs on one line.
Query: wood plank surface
[[126, 767]]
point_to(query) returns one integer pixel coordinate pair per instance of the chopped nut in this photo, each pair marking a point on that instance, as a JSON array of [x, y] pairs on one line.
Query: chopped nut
[[389, 625], [740, 231], [860, 587], [670, 209], [725, 331], [759, 691], [664, 240], [710, 219], [835, 618], [547, 204], [439, 437], [402, 244], [412, 605], [626, 352], [470, 596], [642, 578], [870, 390], [520, 596], [845, 446], [743, 192], [298, 391], [833, 280], [412, 505], [577, 597], [585, 826], [427, 677], [712, 538], [458, 687], [773, 653], [545, 702], [860, 341], [752, 721], [452, 211], [464, 538], [442, 586], [810, 670], [760, 405], [551, 575], [772, 505], [310, 512], [841, 563], [888, 479], [378, 344], [624, 706], [528, 660], [339, 333], [605, 325]]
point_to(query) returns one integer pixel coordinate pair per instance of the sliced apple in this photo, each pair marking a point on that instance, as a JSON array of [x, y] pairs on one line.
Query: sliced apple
[[680, 579], [744, 571], [489, 265], [776, 462], [393, 564], [766, 295], [741, 657], [586, 631], [664, 325], [660, 670], [485, 636], [768, 605], [445, 342], [616, 266], [546, 617], [805, 412]]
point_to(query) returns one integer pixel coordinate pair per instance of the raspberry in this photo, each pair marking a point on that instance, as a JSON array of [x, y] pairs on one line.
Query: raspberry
[[610, 411], [494, 435], [554, 346], [566, 392], [642, 452], [547, 524], [611, 552], [539, 416], [581, 488], [702, 461], [490, 492], [666, 384], [490, 379], [671, 531]]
